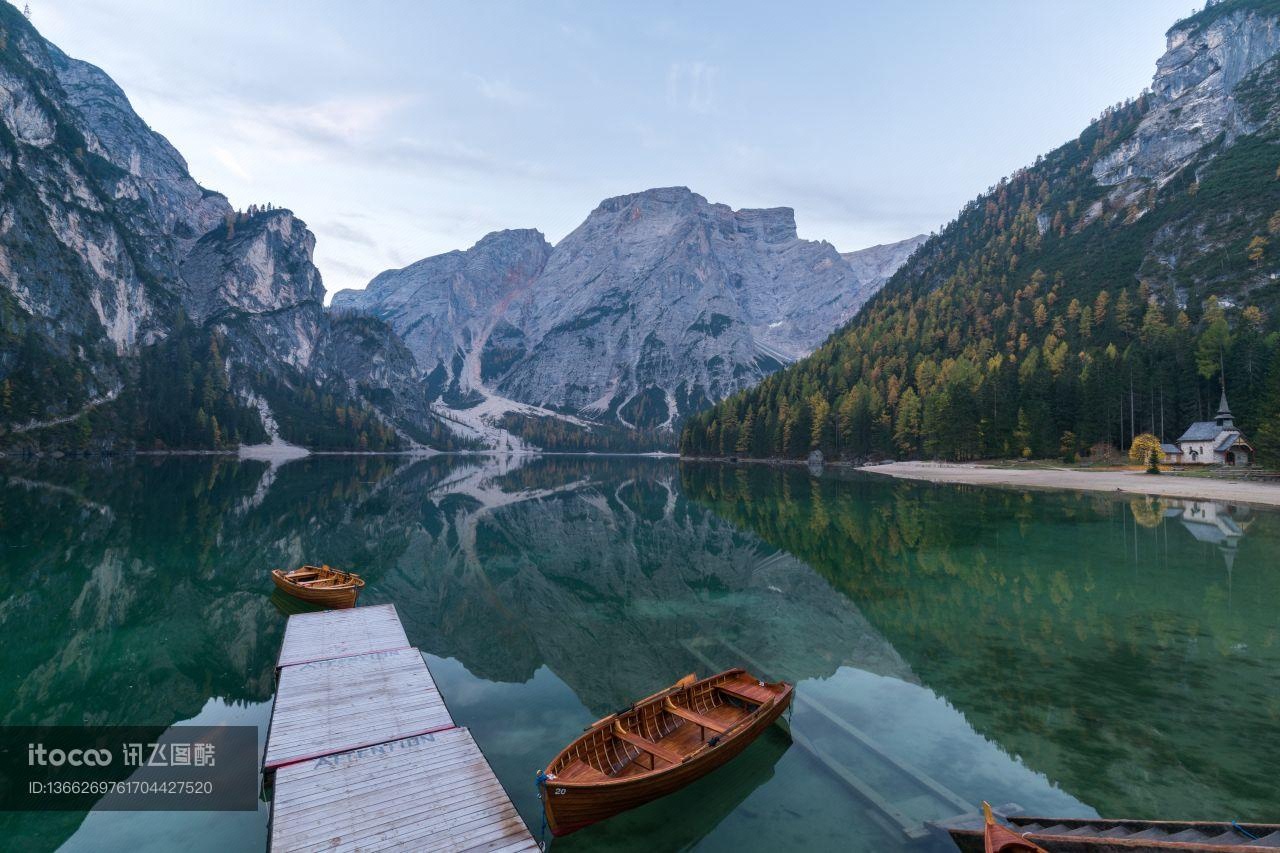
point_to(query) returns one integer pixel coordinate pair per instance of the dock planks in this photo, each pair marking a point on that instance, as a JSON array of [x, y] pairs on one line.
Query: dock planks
[[339, 633], [364, 753], [338, 704], [434, 792]]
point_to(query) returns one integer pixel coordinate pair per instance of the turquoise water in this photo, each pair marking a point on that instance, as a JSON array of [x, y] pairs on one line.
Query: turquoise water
[[1075, 654]]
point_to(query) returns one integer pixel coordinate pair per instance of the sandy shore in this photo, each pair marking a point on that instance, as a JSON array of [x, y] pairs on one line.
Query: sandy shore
[[277, 452], [1133, 482]]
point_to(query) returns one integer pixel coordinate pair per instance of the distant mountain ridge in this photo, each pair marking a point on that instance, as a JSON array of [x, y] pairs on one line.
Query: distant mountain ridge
[[140, 310], [1094, 295], [659, 304]]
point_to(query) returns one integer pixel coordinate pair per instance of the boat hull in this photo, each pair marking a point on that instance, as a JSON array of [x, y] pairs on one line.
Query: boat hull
[[336, 598], [1214, 837], [573, 806]]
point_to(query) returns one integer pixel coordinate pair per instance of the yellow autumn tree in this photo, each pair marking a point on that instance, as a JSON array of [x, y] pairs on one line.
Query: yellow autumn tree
[[1142, 448], [1257, 249]]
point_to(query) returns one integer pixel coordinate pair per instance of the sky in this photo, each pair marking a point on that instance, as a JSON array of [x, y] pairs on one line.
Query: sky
[[399, 130]]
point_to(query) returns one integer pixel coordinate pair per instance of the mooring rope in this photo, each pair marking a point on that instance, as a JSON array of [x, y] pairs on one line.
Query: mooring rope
[[540, 783]]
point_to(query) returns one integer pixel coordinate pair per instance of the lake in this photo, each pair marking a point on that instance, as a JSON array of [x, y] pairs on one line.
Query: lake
[[1076, 654]]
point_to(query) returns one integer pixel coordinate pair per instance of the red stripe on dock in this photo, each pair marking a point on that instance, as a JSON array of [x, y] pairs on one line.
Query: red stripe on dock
[[285, 762], [336, 657]]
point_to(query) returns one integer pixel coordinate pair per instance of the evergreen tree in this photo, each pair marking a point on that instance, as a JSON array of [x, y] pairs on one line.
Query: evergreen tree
[[906, 430]]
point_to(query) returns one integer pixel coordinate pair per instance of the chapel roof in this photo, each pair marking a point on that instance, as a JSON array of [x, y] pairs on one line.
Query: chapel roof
[[1201, 431]]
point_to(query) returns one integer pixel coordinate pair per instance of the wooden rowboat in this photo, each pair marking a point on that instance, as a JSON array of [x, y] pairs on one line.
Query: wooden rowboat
[[320, 585], [657, 746], [1000, 839], [1099, 835]]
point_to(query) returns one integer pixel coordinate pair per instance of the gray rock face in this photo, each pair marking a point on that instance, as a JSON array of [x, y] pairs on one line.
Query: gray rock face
[[368, 355], [1193, 91], [879, 263], [659, 303], [256, 281], [96, 209], [106, 242], [154, 179], [444, 304], [257, 276]]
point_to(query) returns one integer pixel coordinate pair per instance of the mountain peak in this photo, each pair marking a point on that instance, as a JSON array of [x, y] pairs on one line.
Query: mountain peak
[[659, 303], [1215, 10], [662, 195], [509, 237], [770, 224], [665, 208], [656, 198], [766, 219]]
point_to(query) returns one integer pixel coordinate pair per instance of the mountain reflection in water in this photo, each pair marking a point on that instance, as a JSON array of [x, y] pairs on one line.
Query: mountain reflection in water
[[1075, 654]]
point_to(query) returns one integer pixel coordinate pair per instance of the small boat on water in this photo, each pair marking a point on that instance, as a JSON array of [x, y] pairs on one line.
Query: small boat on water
[[322, 585], [1099, 835], [1001, 839], [657, 746]]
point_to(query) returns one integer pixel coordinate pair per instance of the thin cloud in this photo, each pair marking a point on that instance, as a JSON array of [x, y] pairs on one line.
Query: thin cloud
[[502, 91], [353, 271], [356, 129], [456, 156], [692, 86], [348, 234], [232, 163]]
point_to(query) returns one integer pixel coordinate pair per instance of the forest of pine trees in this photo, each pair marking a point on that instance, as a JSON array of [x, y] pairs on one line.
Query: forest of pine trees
[[1037, 319], [178, 396], [558, 435]]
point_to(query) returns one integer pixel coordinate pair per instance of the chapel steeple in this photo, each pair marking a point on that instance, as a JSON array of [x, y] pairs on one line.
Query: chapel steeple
[[1224, 418]]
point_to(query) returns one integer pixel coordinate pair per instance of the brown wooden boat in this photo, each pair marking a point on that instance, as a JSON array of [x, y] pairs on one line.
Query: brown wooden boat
[[1000, 839], [322, 585], [1099, 835], [658, 745]]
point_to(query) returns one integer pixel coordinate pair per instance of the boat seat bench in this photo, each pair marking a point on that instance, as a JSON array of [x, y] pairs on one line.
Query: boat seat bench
[[694, 717], [647, 745], [744, 692]]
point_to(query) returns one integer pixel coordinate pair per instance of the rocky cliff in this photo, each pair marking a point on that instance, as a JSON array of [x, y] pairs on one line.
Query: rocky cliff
[[878, 263], [91, 226], [657, 305], [122, 279], [256, 276], [1193, 94], [445, 306], [661, 303]]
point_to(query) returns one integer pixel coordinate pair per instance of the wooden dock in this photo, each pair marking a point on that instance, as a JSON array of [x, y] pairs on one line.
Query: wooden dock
[[339, 633], [363, 752]]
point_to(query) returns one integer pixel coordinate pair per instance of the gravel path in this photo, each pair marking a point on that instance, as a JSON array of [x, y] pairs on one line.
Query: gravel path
[[1204, 488]]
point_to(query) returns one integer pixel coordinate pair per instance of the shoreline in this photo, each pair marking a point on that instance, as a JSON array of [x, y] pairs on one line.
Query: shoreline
[[1167, 485], [288, 453], [1111, 482]]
